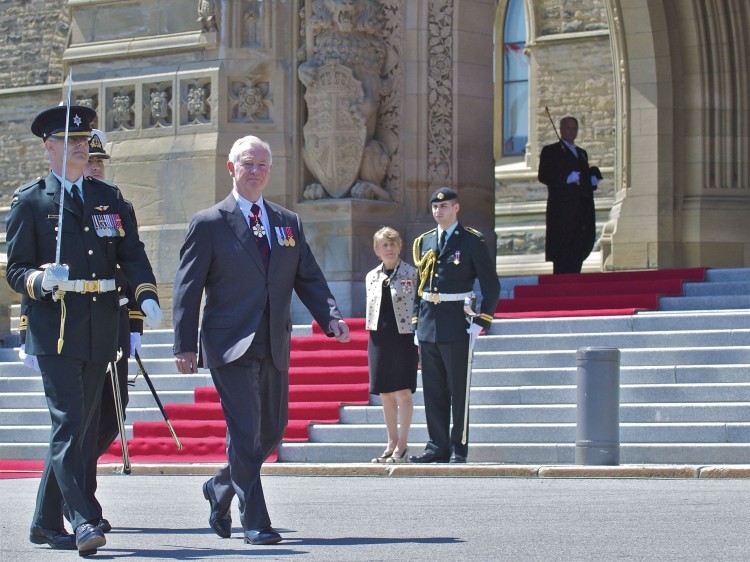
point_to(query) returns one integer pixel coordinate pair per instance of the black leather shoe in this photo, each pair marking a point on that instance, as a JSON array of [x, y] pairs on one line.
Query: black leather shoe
[[104, 525], [88, 538], [428, 456], [56, 538], [220, 519], [456, 458], [266, 535]]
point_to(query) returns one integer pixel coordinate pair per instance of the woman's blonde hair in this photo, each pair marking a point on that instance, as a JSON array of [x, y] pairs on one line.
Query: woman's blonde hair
[[386, 233]]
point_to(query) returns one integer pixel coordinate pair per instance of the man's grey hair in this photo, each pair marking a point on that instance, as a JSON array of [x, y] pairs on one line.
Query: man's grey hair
[[250, 140]]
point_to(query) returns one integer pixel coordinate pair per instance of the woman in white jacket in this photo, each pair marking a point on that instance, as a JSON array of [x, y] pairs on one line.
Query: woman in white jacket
[[392, 355]]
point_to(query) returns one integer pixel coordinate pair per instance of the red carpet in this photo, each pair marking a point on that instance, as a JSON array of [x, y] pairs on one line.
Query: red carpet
[[20, 469], [323, 375], [595, 294]]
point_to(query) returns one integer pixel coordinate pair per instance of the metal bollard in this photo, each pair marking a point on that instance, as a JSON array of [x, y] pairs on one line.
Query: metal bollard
[[598, 406]]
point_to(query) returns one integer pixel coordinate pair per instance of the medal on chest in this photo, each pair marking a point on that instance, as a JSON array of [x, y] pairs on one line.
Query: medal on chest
[[108, 225]]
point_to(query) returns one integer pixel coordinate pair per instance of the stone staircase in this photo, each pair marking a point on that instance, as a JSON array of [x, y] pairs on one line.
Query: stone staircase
[[685, 388]]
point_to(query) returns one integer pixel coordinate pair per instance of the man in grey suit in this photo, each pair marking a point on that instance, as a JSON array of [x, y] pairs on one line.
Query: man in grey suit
[[248, 254]]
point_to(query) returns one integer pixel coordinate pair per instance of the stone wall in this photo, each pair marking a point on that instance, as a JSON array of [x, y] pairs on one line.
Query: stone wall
[[34, 35], [568, 16]]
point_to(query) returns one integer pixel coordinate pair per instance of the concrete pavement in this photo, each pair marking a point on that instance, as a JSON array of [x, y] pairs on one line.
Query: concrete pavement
[[164, 517]]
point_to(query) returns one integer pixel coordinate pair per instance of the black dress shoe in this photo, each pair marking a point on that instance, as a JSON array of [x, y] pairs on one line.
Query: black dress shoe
[[456, 458], [428, 456], [266, 535], [104, 525], [56, 538], [88, 538], [220, 519]]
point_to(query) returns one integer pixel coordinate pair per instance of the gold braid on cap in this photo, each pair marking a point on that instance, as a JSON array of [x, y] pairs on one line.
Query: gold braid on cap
[[425, 266]]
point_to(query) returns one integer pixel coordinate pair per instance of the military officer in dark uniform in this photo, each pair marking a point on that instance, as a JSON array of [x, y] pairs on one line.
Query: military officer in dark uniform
[[449, 258], [105, 422], [72, 319]]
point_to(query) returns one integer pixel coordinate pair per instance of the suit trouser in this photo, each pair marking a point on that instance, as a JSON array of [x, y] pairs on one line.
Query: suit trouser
[[73, 389], [444, 386], [254, 396]]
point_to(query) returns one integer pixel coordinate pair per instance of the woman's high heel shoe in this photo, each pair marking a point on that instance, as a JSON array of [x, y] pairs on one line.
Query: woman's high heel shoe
[[394, 458], [385, 457]]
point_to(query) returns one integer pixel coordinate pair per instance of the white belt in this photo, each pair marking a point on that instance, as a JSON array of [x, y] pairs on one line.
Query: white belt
[[437, 298], [88, 286]]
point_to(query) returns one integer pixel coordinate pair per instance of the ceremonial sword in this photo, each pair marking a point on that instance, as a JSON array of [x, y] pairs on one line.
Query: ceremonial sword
[[142, 370], [112, 368], [469, 304]]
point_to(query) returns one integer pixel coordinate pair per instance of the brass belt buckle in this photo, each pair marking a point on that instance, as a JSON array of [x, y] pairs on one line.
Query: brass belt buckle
[[90, 286], [435, 298]]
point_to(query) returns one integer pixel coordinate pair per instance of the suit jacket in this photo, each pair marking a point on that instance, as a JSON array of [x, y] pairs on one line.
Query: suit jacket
[[220, 256], [403, 289], [464, 258], [570, 207], [91, 324]]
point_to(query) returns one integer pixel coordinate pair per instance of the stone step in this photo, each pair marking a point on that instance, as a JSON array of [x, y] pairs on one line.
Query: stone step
[[530, 453], [678, 412], [40, 416], [35, 433], [727, 275], [628, 357], [621, 340], [162, 383], [648, 321], [716, 289], [717, 432], [138, 399], [716, 302]]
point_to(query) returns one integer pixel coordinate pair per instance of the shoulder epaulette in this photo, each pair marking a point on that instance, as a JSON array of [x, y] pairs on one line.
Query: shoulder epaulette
[[474, 231], [417, 241], [29, 185], [102, 182]]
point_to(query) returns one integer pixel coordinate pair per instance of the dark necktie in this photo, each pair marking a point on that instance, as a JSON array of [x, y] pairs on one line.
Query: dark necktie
[[442, 241], [76, 196], [260, 235]]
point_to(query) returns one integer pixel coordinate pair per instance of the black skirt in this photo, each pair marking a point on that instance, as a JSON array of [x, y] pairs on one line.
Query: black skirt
[[392, 357]]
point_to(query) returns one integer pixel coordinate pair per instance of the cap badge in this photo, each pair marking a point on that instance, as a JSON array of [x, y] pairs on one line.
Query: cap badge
[[77, 120], [441, 196]]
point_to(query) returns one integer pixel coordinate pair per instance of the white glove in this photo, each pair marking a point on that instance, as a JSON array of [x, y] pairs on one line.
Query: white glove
[[28, 360], [48, 281], [594, 181], [416, 339], [473, 330], [574, 177], [152, 312], [135, 343]]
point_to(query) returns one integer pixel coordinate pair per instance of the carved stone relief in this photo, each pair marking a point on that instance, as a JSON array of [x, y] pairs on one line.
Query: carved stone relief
[[207, 15], [195, 105], [157, 100], [120, 109], [250, 100], [351, 135], [440, 95]]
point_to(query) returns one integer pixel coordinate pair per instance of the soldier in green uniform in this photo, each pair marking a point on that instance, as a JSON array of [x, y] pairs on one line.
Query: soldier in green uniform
[[72, 323], [449, 258]]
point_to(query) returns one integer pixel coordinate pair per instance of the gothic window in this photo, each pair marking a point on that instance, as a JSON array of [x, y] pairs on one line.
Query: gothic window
[[515, 71]]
